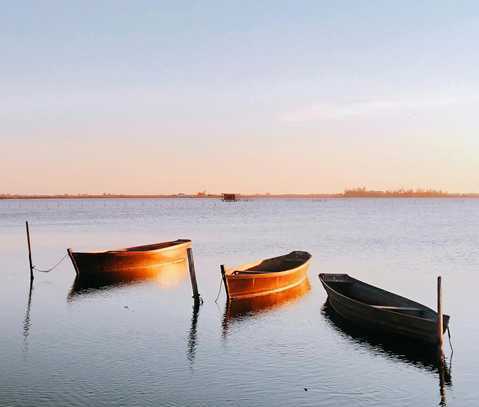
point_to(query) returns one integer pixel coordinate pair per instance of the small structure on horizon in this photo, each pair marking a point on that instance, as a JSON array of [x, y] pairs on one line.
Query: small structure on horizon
[[229, 197]]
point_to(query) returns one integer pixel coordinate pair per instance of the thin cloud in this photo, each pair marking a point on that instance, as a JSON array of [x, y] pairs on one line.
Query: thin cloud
[[336, 111]]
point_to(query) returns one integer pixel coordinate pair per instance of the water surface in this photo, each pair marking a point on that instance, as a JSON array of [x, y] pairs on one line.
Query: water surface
[[143, 343]]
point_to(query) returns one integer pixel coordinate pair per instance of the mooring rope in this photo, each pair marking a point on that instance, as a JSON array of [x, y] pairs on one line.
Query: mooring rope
[[219, 291], [450, 343], [51, 268]]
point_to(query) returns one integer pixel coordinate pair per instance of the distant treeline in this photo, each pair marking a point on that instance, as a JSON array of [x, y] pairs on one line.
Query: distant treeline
[[403, 193]]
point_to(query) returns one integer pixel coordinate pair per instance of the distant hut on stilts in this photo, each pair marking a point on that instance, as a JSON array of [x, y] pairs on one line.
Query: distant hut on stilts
[[229, 197]]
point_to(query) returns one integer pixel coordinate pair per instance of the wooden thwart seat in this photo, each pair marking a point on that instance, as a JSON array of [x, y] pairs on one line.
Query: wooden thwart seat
[[393, 308]]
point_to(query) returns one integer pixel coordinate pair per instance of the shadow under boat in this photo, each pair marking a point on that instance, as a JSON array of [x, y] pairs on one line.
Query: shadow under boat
[[252, 307], [405, 350], [166, 276]]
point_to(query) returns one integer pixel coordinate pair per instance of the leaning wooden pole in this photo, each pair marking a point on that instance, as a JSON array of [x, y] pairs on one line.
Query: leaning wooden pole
[[29, 251], [191, 266], [440, 328], [225, 282]]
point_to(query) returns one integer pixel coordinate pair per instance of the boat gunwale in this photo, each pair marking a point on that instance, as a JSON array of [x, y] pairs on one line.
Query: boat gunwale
[[242, 274], [173, 244], [447, 317]]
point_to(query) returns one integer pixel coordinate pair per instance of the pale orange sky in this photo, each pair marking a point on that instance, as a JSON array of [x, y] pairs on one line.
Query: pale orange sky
[[249, 98], [285, 162]]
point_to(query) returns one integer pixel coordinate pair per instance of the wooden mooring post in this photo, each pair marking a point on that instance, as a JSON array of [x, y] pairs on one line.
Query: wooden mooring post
[[29, 251], [223, 276], [440, 328], [194, 284], [444, 373]]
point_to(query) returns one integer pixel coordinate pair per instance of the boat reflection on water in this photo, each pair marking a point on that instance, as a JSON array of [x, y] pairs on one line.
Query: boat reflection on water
[[238, 310], [167, 276], [422, 356]]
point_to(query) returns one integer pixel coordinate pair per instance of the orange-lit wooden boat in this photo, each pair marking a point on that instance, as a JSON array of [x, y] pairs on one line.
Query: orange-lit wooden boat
[[131, 262], [266, 276]]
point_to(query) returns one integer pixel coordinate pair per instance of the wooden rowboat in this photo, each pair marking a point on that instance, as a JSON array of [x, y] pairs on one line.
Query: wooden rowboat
[[378, 310], [266, 276], [131, 262]]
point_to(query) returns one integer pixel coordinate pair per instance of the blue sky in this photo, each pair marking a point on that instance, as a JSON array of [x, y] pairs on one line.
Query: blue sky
[[257, 96]]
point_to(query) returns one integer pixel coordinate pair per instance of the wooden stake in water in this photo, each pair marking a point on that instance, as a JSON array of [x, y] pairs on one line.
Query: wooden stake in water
[[440, 328], [191, 266], [223, 276], [29, 251]]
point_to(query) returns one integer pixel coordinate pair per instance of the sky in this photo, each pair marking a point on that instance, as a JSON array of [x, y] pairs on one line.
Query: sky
[[247, 96]]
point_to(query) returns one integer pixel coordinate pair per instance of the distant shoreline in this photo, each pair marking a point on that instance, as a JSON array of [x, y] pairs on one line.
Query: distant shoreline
[[239, 196]]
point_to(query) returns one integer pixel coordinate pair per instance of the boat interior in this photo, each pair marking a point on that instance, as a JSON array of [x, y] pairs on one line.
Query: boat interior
[[277, 264], [377, 297], [154, 246]]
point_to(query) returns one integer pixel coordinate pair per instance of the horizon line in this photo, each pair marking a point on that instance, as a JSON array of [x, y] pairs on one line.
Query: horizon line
[[351, 193]]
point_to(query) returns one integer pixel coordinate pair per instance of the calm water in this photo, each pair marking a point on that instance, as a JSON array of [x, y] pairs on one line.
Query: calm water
[[143, 344]]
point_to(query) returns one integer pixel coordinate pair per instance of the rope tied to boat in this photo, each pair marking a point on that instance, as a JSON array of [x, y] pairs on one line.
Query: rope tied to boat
[[219, 291], [51, 268], [450, 343]]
